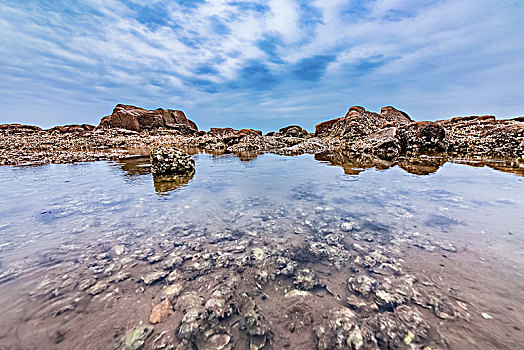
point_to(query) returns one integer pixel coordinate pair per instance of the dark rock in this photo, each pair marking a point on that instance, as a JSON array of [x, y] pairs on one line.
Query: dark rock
[[139, 119], [422, 138]]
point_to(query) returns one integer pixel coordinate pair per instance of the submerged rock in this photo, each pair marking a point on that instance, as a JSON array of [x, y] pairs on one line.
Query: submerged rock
[[161, 312], [135, 338], [154, 276]]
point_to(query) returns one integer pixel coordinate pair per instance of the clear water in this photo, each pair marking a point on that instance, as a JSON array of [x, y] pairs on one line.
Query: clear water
[[75, 209]]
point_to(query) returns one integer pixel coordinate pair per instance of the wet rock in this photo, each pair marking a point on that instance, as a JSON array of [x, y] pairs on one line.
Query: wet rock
[[86, 283], [297, 293], [218, 307], [119, 249], [173, 290], [122, 276], [338, 331], [258, 254], [349, 226], [254, 324], [423, 138], [305, 279], [170, 161], [218, 341], [98, 288], [174, 276], [388, 301], [356, 303], [362, 284], [161, 312], [173, 260], [191, 306], [257, 342], [154, 276], [135, 338]]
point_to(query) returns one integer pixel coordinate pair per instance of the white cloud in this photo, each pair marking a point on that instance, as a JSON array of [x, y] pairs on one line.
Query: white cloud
[[435, 58]]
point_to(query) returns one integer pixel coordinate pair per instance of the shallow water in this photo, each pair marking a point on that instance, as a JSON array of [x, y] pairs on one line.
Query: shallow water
[[459, 228]]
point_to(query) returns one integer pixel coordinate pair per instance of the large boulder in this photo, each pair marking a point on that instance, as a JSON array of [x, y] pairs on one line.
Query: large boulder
[[170, 161], [358, 123], [139, 119]]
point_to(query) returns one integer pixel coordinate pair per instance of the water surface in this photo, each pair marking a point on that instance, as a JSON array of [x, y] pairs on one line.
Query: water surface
[[457, 230]]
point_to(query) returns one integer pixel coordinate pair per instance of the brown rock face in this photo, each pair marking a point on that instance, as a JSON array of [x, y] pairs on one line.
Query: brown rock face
[[19, 128], [358, 122], [73, 128], [139, 119]]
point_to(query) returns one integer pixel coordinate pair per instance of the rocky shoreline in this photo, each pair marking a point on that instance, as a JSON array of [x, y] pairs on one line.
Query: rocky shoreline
[[387, 135]]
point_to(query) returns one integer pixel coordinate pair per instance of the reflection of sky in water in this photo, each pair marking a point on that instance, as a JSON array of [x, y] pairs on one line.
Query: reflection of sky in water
[[44, 206]]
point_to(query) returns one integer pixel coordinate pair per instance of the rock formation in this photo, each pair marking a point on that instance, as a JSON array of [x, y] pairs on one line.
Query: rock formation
[[73, 128], [386, 135], [18, 128], [358, 123], [293, 131], [139, 119], [170, 161]]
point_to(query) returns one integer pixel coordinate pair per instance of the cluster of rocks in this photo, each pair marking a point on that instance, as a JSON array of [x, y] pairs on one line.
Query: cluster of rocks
[[393, 133], [332, 282], [388, 135]]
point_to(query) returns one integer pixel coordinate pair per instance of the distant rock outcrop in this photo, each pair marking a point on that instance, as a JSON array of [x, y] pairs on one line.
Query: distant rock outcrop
[[139, 119], [293, 131], [19, 128], [73, 128], [358, 123]]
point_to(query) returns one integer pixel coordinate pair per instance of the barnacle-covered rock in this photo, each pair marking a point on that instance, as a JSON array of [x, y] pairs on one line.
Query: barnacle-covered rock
[[362, 284], [170, 161], [305, 279]]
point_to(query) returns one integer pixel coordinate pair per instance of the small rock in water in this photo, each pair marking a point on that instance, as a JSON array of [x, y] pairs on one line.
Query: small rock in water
[[298, 230], [136, 337], [98, 288], [348, 226], [217, 341], [119, 249], [170, 161], [486, 316], [161, 312], [173, 290], [154, 276]]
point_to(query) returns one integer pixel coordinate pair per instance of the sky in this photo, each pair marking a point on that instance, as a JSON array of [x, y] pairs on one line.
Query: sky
[[259, 64]]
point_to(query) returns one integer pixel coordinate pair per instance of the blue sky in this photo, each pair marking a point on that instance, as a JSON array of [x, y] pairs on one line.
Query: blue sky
[[259, 64]]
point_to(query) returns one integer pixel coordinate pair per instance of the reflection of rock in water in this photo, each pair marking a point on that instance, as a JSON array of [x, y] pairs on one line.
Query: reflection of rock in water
[[354, 164], [135, 166], [167, 183]]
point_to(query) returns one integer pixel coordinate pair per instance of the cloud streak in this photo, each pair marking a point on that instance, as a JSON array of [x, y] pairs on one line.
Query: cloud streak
[[259, 64]]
